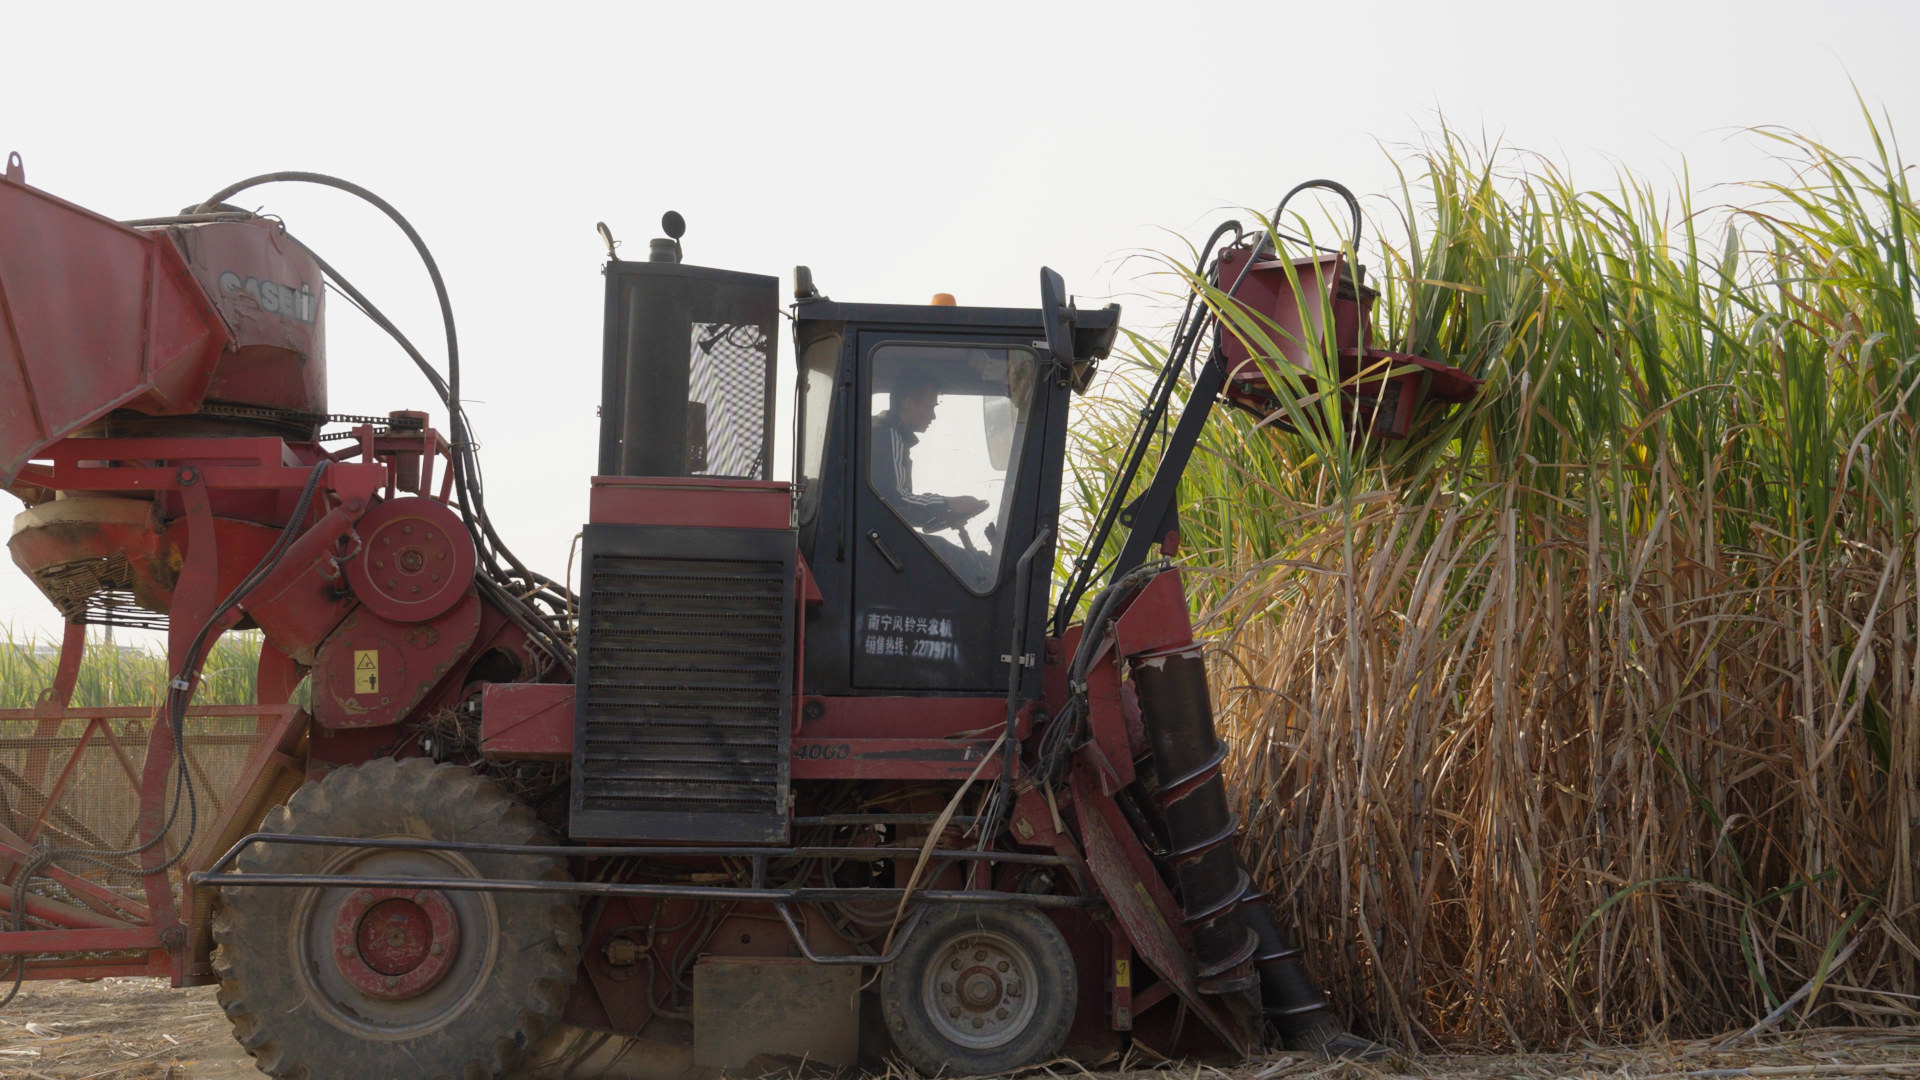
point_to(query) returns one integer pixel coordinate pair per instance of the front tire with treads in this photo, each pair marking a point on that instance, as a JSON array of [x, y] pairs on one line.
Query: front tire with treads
[[365, 984], [979, 990]]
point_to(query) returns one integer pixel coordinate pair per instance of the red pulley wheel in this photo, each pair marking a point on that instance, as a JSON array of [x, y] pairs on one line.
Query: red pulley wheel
[[415, 560]]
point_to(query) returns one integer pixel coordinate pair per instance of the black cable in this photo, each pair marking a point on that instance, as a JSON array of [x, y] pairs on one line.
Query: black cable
[[1185, 335], [1062, 734], [491, 549], [1353, 205], [179, 694]]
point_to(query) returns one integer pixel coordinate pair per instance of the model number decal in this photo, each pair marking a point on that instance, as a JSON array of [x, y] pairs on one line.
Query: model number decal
[[822, 752]]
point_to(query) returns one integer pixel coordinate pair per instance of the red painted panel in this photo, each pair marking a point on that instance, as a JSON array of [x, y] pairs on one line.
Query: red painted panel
[[268, 291], [527, 721], [1291, 299], [893, 759], [690, 502], [93, 316], [1156, 619], [101, 940], [372, 672], [1141, 904], [1107, 723], [888, 717]]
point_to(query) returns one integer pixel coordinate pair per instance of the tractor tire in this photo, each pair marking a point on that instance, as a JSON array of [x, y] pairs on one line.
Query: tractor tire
[[980, 990], [384, 984]]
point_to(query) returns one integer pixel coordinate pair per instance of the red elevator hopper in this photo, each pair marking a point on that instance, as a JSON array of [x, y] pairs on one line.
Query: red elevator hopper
[[94, 316]]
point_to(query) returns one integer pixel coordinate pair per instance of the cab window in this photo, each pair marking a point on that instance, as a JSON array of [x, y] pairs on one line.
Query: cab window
[[819, 359], [947, 423]]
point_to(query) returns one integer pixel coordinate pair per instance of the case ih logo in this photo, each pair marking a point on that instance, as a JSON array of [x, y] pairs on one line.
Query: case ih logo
[[298, 304]]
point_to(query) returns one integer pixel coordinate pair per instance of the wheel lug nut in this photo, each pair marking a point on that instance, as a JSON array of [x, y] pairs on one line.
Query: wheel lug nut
[[946, 988], [954, 1011], [392, 981], [436, 948], [1003, 965], [979, 1023], [1000, 1014], [979, 954], [346, 950], [366, 898], [956, 964]]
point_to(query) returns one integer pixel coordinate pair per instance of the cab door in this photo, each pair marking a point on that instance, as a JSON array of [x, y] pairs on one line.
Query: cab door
[[944, 506]]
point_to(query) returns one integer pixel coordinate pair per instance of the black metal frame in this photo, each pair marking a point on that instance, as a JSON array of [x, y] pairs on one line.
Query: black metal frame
[[1015, 469], [828, 539], [217, 875]]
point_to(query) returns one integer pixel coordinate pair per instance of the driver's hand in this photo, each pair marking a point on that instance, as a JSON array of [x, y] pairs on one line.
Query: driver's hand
[[964, 507]]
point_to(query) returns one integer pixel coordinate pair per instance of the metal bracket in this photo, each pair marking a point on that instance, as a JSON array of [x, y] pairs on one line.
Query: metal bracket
[[1026, 659]]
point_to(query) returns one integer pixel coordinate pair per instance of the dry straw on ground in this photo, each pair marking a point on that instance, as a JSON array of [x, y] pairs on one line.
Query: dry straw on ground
[[1593, 712]]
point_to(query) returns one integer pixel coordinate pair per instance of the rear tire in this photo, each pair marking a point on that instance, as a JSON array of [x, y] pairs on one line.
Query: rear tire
[[980, 990], [360, 985]]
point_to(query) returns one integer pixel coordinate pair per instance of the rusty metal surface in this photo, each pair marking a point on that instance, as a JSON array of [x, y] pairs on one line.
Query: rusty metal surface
[[527, 721], [1154, 618], [76, 777], [1124, 874], [372, 672], [744, 1007]]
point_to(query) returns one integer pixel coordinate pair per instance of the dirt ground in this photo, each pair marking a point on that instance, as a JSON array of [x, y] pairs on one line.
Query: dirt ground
[[141, 1029]]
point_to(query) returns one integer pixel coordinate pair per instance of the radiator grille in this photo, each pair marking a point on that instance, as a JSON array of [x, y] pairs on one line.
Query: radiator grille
[[685, 698]]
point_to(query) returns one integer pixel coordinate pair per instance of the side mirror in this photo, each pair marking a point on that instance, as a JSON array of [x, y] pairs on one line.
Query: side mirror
[[1057, 315]]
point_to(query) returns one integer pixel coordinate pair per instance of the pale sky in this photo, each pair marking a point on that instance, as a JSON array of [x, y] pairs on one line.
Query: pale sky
[[897, 149]]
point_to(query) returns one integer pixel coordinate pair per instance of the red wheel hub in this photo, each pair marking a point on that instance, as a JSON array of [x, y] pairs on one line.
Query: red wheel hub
[[415, 560], [395, 943]]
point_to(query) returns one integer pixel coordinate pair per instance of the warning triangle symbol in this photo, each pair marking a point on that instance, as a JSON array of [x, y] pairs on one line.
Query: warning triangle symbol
[[368, 662]]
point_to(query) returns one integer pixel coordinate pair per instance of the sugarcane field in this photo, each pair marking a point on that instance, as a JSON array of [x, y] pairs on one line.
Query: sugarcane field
[[857, 541]]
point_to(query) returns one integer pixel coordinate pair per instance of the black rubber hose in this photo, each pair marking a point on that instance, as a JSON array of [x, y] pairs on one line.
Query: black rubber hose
[[1185, 334], [1334, 186], [467, 478]]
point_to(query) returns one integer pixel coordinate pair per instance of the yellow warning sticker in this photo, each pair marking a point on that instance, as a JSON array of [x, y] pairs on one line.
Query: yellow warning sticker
[[366, 671], [1122, 974]]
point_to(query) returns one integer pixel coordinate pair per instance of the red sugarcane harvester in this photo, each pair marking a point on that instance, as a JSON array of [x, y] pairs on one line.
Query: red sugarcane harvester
[[787, 735]]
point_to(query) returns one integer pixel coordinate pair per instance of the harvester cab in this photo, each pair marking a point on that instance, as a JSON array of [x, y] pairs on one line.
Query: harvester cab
[[785, 734], [930, 456]]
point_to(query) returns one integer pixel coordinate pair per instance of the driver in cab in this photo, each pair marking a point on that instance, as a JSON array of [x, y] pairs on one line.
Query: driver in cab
[[914, 398]]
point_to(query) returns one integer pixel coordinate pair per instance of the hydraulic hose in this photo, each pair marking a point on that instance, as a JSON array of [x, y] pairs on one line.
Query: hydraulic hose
[[516, 584], [1186, 333]]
